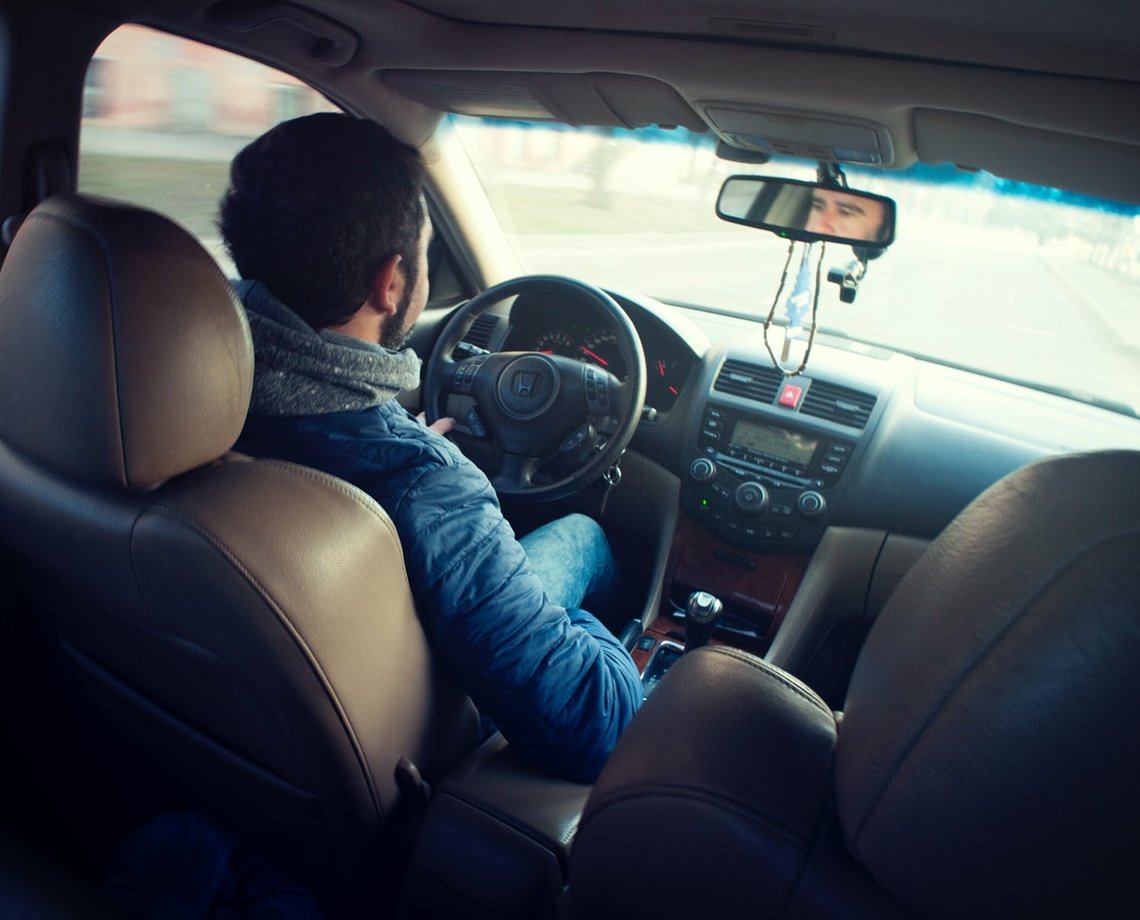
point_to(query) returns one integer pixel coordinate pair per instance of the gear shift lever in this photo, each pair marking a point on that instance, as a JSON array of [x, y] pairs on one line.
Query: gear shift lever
[[701, 613]]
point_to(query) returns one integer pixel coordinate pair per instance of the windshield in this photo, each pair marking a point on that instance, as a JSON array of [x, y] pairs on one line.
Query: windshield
[[1010, 280]]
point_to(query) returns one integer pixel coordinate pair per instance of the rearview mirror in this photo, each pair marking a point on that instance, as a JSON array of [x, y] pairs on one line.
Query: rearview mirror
[[808, 211]]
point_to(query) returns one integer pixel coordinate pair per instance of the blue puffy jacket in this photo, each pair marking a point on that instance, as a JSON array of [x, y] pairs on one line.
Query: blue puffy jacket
[[556, 682]]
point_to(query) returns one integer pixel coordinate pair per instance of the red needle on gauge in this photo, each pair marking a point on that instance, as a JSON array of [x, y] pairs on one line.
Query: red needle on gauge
[[589, 354]]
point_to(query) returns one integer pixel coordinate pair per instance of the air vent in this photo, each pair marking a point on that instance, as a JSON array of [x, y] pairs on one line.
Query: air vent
[[752, 381], [838, 404], [481, 330]]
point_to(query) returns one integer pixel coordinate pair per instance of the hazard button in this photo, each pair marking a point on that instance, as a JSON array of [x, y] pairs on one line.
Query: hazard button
[[790, 395]]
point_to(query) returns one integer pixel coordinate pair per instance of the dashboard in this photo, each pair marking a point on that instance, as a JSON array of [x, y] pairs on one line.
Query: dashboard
[[863, 438], [799, 501]]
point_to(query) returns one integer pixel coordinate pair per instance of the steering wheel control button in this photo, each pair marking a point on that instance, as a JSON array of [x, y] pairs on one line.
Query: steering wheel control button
[[527, 386], [597, 395], [576, 440], [465, 373], [750, 498], [474, 423]]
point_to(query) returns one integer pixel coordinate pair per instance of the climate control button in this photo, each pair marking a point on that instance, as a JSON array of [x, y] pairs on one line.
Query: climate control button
[[811, 504], [702, 469]]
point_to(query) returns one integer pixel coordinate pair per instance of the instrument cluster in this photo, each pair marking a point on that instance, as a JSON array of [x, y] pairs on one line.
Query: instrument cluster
[[597, 343]]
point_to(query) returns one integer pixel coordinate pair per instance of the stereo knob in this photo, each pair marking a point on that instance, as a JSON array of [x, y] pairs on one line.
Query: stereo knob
[[702, 469], [750, 497], [811, 504]]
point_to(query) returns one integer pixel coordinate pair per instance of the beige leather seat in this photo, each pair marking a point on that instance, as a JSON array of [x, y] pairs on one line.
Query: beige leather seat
[[986, 764], [247, 623]]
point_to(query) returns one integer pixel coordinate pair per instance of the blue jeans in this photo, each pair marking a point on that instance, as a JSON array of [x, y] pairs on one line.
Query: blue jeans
[[573, 558]]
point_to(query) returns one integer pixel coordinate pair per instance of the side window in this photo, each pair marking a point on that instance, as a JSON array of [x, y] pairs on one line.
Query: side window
[[163, 117]]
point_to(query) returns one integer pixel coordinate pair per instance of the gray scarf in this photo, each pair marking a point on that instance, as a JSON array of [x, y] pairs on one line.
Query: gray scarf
[[301, 372]]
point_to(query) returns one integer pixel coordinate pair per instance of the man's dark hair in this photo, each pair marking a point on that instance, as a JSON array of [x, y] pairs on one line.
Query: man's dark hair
[[316, 205]]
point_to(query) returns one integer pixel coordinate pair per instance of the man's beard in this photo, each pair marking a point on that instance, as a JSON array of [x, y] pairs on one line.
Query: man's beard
[[393, 334]]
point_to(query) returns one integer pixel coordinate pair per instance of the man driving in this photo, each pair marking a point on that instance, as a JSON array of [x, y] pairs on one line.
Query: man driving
[[327, 225]]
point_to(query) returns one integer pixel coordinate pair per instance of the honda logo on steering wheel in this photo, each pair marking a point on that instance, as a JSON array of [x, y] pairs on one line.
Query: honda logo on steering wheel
[[526, 385]]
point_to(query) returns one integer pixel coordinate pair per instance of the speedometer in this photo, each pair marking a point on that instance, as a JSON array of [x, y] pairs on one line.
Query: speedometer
[[601, 348], [556, 342]]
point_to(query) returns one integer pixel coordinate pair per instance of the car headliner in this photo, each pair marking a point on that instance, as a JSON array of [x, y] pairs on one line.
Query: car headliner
[[1042, 92]]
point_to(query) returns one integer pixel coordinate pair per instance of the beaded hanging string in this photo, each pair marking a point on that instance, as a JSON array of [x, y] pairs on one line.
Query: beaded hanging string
[[814, 307]]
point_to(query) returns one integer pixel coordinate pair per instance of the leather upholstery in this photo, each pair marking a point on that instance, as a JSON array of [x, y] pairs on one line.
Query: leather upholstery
[[495, 840], [695, 806], [248, 623], [120, 364], [985, 764], [988, 723]]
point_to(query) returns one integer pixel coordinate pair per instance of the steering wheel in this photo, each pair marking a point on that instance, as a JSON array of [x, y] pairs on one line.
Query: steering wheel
[[541, 426]]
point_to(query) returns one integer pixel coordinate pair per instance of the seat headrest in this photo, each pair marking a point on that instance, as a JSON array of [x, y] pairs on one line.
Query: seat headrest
[[125, 356], [988, 754]]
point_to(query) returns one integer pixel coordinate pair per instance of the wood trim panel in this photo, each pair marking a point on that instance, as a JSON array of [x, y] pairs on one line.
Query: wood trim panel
[[756, 588]]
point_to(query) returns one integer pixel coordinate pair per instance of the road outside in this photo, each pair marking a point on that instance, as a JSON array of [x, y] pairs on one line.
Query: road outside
[[1019, 315], [1006, 287]]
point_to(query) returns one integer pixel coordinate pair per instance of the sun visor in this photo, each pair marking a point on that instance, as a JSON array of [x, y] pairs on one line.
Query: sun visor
[[1102, 168], [284, 29], [802, 134], [600, 99]]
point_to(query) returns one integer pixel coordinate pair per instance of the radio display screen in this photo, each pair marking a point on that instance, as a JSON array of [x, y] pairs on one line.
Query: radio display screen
[[775, 442]]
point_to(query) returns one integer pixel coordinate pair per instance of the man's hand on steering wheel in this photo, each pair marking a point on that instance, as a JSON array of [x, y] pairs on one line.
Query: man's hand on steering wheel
[[441, 425]]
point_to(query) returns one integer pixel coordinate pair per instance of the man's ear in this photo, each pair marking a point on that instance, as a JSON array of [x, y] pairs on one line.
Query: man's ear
[[388, 285]]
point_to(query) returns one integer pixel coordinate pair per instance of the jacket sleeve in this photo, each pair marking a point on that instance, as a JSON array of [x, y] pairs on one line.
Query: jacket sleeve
[[557, 683]]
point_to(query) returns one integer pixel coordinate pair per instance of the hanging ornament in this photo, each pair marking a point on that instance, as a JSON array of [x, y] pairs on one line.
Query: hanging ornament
[[805, 294]]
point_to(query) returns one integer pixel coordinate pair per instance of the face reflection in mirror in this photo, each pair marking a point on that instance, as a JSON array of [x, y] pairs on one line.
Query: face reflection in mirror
[[836, 213], [808, 211]]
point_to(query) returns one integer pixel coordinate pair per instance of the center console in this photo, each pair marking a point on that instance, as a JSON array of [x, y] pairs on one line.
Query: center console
[[494, 841], [760, 484], [768, 455], [756, 591], [767, 459]]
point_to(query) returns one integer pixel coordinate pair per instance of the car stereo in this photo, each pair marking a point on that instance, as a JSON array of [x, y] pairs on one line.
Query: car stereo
[[756, 482]]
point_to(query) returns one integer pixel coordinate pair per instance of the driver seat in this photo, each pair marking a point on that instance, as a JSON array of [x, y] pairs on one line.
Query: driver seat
[[248, 624]]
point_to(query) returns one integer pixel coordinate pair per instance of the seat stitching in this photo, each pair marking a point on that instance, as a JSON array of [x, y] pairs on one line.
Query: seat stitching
[[362, 498], [775, 673]]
